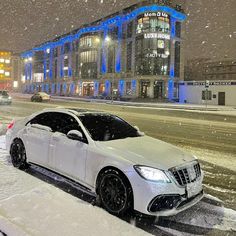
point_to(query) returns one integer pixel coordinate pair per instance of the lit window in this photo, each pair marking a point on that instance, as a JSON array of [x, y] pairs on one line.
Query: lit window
[[1, 71], [7, 73], [7, 61], [2, 60]]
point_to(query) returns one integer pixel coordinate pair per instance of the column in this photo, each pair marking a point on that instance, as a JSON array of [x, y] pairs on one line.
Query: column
[[118, 50], [170, 84], [104, 51]]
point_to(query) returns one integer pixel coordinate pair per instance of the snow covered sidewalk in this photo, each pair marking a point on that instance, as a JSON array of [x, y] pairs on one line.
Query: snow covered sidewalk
[[30, 206]]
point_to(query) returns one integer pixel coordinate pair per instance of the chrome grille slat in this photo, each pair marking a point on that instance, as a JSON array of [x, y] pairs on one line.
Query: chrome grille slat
[[182, 177]]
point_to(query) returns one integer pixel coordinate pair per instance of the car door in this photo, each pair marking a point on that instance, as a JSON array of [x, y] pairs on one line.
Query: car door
[[67, 156], [37, 136]]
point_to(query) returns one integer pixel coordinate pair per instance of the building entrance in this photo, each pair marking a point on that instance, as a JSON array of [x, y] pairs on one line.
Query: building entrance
[[88, 89], [145, 87], [221, 98], [158, 89]]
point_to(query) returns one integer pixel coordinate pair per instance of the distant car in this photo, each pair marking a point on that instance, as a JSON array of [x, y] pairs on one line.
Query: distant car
[[5, 98], [113, 160], [40, 97]]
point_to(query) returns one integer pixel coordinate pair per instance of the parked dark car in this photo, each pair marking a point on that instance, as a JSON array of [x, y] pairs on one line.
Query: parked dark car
[[5, 98], [40, 97]]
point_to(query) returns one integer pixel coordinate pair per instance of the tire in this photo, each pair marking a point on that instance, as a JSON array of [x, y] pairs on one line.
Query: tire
[[18, 154], [115, 192]]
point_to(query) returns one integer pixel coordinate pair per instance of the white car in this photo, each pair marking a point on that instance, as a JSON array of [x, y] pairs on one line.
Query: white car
[[125, 169], [5, 98]]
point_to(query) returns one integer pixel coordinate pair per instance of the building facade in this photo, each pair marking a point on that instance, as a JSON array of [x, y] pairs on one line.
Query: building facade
[[209, 82], [221, 92], [5, 70], [202, 69], [16, 72], [133, 53]]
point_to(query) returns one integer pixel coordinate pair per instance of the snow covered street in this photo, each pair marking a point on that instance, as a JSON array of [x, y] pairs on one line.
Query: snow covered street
[[30, 205]]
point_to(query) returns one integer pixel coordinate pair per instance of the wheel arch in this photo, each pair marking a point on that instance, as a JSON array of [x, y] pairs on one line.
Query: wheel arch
[[106, 168]]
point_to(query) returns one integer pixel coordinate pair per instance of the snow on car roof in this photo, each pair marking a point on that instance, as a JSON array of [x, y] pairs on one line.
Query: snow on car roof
[[74, 110]]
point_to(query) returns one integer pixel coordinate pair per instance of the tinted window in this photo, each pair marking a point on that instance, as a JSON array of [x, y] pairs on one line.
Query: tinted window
[[103, 127], [43, 119], [64, 123], [58, 122], [3, 93]]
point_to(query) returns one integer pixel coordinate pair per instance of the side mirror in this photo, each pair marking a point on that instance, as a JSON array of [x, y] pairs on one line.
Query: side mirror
[[75, 135], [138, 131]]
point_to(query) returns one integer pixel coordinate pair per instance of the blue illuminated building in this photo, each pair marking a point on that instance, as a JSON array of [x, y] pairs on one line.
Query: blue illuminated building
[[132, 53]]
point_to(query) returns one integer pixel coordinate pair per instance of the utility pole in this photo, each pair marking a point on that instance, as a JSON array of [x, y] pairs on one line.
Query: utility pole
[[207, 83]]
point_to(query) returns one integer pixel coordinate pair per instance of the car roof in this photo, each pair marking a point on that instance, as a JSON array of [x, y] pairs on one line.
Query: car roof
[[76, 111], [42, 93]]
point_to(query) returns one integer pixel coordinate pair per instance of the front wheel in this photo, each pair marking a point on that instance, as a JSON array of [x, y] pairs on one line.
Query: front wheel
[[18, 154], [115, 192]]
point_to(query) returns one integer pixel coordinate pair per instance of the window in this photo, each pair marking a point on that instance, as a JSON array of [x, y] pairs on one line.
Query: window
[[111, 58], [177, 59], [153, 23], [102, 127], [128, 88], [58, 122], [130, 29], [44, 119], [129, 57], [178, 29], [206, 95], [152, 56], [88, 64]]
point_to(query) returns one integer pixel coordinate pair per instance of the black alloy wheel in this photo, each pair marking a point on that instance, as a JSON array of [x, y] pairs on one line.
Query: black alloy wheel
[[115, 192], [18, 154]]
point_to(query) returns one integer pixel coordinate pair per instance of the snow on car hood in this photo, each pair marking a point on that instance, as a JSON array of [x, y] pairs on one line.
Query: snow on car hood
[[148, 151]]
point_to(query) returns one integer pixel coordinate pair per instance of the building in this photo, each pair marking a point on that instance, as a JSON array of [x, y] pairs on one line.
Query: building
[[209, 82], [202, 69], [5, 70], [16, 72], [133, 53], [210, 92]]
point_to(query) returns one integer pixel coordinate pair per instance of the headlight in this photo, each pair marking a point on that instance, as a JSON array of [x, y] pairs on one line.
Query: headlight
[[9, 98], [152, 174]]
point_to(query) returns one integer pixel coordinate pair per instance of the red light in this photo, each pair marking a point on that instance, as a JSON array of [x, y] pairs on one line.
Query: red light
[[10, 126]]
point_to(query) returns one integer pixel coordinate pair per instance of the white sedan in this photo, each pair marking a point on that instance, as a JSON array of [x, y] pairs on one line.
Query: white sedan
[[125, 169]]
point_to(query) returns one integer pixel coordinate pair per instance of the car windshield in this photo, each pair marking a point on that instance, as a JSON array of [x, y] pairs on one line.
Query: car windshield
[[3, 93], [105, 127]]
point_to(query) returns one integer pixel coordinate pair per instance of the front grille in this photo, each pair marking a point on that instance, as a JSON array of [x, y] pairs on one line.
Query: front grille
[[187, 175]]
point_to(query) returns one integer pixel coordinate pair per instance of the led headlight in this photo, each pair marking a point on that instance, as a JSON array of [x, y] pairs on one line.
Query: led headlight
[[9, 98], [152, 174]]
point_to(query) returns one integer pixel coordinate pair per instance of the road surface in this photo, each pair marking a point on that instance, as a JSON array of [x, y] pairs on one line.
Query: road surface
[[211, 137]]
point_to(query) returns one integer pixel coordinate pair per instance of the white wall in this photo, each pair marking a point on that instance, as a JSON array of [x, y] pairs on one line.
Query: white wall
[[193, 94]]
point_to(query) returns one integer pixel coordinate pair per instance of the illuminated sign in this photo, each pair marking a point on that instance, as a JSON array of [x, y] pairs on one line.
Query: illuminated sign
[[156, 55], [156, 36], [156, 14]]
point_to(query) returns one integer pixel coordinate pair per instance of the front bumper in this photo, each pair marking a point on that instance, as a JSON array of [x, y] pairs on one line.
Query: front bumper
[[163, 199], [165, 205], [5, 101]]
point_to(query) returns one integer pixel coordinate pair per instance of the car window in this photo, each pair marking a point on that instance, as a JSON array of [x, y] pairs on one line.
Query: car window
[[3, 93], [64, 123], [104, 127], [43, 119]]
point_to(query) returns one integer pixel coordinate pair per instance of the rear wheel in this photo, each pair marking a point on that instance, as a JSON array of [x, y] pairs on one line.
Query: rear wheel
[[18, 154], [115, 192]]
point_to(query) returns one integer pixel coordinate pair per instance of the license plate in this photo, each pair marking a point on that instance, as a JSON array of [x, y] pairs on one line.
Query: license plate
[[193, 189]]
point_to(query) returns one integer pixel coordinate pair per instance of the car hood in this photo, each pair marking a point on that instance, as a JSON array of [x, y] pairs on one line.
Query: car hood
[[147, 151]]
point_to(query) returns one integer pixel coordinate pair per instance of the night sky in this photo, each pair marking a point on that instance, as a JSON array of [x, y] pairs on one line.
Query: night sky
[[210, 28]]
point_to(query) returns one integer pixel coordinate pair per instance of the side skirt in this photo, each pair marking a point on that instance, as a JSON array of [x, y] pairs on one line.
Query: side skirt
[[59, 177]]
